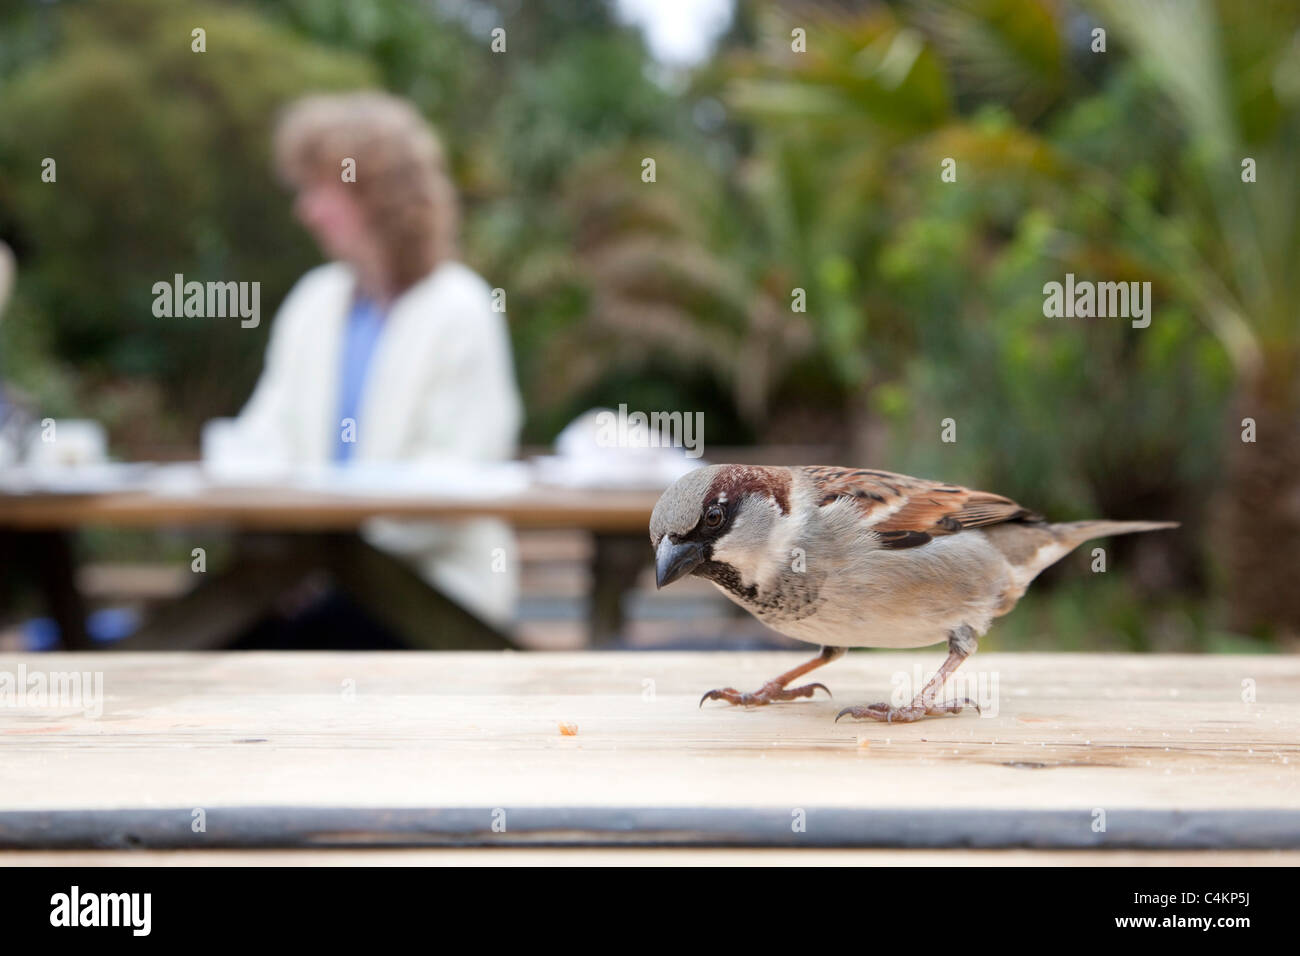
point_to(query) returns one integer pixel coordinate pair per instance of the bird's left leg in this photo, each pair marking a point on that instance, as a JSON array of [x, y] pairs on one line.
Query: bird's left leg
[[961, 644], [775, 689]]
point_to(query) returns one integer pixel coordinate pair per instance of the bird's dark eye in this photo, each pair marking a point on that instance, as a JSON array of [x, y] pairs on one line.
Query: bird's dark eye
[[713, 516]]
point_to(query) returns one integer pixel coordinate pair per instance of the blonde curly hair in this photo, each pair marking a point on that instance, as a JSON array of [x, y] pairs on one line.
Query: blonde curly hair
[[401, 176]]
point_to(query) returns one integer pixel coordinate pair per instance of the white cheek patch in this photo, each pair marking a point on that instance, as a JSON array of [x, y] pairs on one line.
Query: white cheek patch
[[733, 552], [730, 548], [756, 545]]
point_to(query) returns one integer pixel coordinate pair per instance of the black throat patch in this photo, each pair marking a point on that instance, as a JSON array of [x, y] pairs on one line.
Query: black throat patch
[[793, 596], [727, 578]]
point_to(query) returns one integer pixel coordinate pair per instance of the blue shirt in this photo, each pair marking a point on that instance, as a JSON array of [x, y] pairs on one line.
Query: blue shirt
[[364, 323]]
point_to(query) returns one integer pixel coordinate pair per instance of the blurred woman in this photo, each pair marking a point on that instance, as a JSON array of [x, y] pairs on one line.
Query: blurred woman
[[393, 351]]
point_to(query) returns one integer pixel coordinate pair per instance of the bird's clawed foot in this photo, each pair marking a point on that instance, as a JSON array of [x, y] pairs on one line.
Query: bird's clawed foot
[[905, 715], [769, 692]]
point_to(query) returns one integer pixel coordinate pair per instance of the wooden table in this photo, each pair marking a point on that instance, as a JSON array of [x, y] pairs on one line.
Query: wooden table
[[354, 753], [41, 527], [271, 509]]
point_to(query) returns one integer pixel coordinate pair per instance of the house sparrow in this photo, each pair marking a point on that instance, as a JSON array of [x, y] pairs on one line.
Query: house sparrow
[[853, 557]]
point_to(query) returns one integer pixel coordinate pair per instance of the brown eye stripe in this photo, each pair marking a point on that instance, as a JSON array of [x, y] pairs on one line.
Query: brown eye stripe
[[735, 481]]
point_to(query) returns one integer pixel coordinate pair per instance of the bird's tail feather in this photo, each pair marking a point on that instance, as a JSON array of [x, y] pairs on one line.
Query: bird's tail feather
[[1077, 532]]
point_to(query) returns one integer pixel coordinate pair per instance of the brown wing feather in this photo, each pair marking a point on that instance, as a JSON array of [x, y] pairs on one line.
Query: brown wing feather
[[907, 511]]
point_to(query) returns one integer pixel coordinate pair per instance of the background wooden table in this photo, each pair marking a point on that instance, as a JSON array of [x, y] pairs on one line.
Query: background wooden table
[[271, 509], [41, 527], [285, 750]]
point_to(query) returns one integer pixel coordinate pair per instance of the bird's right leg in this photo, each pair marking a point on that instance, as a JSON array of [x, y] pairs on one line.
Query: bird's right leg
[[775, 689], [961, 644]]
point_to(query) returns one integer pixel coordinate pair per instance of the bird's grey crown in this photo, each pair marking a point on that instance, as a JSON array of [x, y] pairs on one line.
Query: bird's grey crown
[[678, 509]]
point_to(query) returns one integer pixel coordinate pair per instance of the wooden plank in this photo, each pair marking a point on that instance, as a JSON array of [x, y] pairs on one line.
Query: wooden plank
[[822, 827], [271, 509], [1168, 746]]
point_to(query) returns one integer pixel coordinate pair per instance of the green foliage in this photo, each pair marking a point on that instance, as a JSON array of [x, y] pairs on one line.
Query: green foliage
[[162, 167]]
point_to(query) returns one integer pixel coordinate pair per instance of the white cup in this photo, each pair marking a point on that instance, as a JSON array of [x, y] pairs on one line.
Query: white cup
[[233, 456], [67, 443]]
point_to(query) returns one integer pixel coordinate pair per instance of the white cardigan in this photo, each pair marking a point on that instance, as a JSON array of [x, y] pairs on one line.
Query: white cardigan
[[440, 386]]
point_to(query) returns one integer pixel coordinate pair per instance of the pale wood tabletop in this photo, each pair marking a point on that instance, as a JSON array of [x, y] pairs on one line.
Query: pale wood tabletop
[[508, 749]]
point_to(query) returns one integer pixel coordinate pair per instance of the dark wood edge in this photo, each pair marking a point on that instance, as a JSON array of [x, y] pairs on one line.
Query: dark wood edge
[[346, 827]]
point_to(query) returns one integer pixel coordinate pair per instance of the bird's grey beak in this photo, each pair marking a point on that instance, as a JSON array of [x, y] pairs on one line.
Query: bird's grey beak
[[673, 561]]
